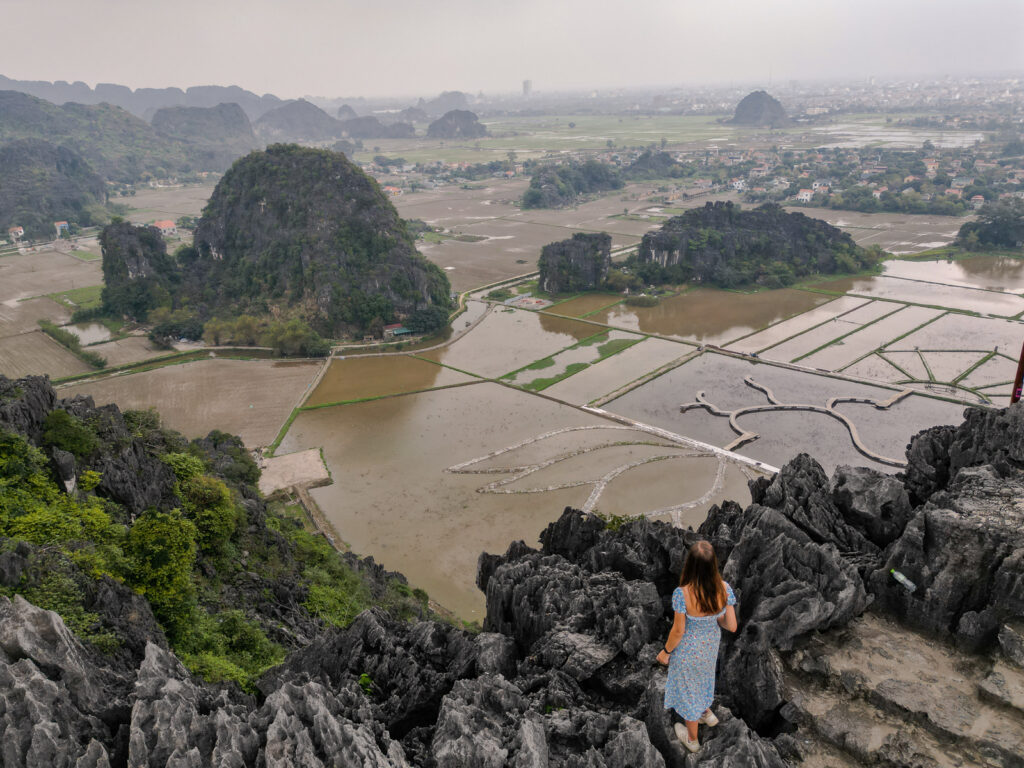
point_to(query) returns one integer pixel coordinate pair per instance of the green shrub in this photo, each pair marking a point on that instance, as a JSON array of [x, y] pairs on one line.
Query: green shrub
[[70, 433], [641, 301], [208, 504], [59, 593], [162, 550], [185, 465]]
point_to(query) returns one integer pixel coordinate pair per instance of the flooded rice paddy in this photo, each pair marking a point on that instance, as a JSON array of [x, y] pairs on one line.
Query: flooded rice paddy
[[956, 332], [549, 370], [248, 398], [787, 329], [869, 338], [708, 316], [361, 377], [89, 333], [916, 292], [989, 272], [583, 305], [615, 372], [508, 339], [412, 476], [783, 434]]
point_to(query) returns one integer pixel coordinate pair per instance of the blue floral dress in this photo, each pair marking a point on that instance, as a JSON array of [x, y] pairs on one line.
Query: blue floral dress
[[691, 667]]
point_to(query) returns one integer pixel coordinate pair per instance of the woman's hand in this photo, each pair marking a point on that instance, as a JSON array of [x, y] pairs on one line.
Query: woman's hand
[[663, 657]]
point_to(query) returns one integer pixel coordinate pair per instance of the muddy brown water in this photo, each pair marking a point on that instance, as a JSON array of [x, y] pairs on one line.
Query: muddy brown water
[[991, 272], [582, 305], [392, 498], [934, 294], [506, 340], [357, 378], [89, 333], [709, 316]]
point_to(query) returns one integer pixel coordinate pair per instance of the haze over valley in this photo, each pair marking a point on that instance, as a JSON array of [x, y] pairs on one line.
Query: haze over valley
[[371, 427]]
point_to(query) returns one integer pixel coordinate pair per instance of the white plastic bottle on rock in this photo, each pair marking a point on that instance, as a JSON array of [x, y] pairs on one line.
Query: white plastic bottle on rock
[[903, 580]]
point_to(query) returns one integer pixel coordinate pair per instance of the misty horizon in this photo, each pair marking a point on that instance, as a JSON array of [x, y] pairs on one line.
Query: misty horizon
[[327, 50]]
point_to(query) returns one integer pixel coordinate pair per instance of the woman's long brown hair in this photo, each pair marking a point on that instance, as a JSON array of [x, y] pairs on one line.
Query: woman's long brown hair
[[700, 574]]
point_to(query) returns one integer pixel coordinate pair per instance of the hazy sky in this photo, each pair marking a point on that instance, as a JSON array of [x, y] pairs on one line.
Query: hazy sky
[[414, 47]]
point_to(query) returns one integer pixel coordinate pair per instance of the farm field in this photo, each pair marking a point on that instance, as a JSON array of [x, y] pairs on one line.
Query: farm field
[[36, 354], [408, 487], [37, 273], [249, 398], [363, 377]]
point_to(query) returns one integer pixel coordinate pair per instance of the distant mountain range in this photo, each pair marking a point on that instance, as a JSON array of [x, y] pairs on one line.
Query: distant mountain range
[[143, 102]]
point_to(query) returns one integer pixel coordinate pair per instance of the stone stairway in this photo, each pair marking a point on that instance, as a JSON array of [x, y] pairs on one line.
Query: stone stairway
[[876, 693]]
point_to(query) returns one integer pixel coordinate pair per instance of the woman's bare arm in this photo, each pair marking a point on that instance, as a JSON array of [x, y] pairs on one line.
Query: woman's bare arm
[[727, 620], [675, 635]]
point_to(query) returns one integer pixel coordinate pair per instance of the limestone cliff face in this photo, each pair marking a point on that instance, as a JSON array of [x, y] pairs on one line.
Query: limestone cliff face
[[725, 245], [307, 228], [579, 263]]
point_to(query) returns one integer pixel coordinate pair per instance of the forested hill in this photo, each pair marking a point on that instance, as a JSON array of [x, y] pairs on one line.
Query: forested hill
[[41, 183], [556, 186], [216, 135], [726, 246], [307, 229], [118, 145], [297, 121]]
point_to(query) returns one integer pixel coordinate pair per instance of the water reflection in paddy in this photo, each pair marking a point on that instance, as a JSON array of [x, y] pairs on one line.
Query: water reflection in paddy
[[991, 272], [361, 377], [709, 316], [89, 333], [509, 339]]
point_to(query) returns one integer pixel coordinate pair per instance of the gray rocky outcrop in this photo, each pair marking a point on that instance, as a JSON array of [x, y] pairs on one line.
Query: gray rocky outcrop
[[563, 673], [578, 263]]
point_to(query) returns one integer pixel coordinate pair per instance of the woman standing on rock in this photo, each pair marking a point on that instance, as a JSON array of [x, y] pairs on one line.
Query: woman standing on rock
[[703, 605]]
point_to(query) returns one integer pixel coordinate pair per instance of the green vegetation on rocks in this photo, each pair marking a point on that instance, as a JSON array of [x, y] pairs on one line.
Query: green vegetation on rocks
[[556, 186], [118, 145], [723, 245], [307, 230], [165, 540], [41, 183], [579, 263]]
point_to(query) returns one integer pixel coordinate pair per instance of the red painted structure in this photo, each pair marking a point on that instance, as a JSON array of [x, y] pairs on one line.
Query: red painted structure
[[1019, 380]]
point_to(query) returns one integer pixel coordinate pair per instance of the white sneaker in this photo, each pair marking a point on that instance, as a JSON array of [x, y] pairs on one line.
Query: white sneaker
[[684, 737], [708, 719]]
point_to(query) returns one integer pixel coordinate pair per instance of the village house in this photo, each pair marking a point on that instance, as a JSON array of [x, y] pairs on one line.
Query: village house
[[977, 201], [960, 182], [166, 227], [16, 233], [395, 329], [804, 195], [393, 191], [877, 194], [954, 192], [739, 184], [61, 227]]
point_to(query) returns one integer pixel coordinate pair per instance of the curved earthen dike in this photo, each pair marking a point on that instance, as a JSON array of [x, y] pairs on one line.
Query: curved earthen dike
[[746, 436]]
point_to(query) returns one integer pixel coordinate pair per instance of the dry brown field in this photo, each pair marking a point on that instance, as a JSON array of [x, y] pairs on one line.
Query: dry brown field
[[36, 354], [249, 398]]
